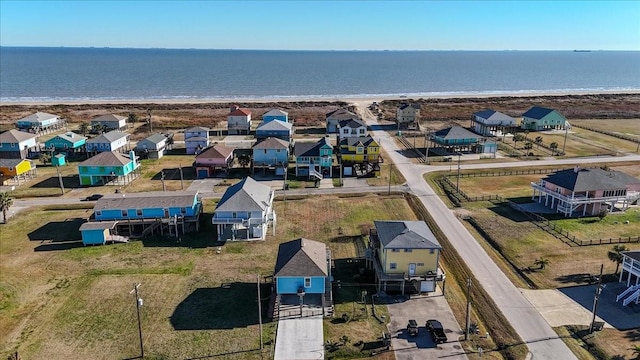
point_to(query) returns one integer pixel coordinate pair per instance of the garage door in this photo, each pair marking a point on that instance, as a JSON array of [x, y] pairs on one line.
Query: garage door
[[203, 173], [428, 286]]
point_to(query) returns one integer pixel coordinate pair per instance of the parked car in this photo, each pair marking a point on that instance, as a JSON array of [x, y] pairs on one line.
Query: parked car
[[437, 331], [93, 197], [412, 328]]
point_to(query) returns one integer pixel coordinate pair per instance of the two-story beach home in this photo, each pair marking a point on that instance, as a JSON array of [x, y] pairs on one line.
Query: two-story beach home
[[359, 154], [217, 157], [112, 141], [109, 122], [271, 153], [404, 253], [109, 168], [334, 117], [245, 211], [137, 215], [538, 119], [492, 123], [314, 159], [276, 129], [196, 139], [16, 144], [238, 120], [457, 139], [275, 114], [351, 128], [68, 142], [587, 192], [630, 267], [303, 274], [40, 123], [16, 170], [152, 147], [408, 116]]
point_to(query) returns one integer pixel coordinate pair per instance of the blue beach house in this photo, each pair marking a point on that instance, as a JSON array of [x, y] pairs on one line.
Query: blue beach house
[[275, 114], [277, 129], [112, 141], [16, 144], [109, 168], [271, 153], [68, 142], [539, 118], [303, 272], [40, 122], [147, 205], [314, 159]]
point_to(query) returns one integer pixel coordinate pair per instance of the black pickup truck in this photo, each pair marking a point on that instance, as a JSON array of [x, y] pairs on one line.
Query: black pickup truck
[[437, 331], [412, 328]]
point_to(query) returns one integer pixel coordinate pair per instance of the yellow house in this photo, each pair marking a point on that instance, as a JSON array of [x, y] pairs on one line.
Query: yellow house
[[359, 150], [404, 253], [16, 168]]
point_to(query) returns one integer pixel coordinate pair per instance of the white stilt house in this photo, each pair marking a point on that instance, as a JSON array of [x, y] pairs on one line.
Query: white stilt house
[[630, 268]]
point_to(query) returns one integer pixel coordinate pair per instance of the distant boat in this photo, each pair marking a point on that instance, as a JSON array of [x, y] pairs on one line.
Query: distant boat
[[581, 50]]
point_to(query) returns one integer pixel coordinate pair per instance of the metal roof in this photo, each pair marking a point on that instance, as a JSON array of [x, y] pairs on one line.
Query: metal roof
[[97, 225], [492, 115], [578, 179], [406, 235], [272, 143], [70, 137], [15, 136], [197, 129], [107, 158], [109, 137], [155, 138], [301, 257], [146, 200], [39, 117], [109, 117], [276, 112], [456, 132], [246, 195], [537, 112], [276, 125]]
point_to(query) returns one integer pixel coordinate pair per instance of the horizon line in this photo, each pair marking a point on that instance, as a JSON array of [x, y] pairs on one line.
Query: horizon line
[[333, 50]]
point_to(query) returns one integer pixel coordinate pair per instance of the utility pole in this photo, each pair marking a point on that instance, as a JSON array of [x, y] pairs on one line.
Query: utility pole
[[138, 304], [390, 166], [149, 121], [468, 321], [164, 188], [566, 132], [595, 300], [60, 179], [260, 314], [458, 179], [284, 188], [181, 178]]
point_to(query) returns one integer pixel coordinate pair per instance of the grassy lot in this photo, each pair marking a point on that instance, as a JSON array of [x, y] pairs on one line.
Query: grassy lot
[[605, 344], [61, 300], [620, 126], [387, 169]]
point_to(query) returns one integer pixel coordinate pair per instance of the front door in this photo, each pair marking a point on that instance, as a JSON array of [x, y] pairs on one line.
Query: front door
[[412, 269]]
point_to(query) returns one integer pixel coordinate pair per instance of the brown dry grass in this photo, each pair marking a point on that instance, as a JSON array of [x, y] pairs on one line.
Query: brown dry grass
[[629, 127]]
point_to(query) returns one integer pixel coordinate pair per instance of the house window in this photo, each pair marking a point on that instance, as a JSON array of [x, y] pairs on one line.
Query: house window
[[234, 214], [307, 282], [432, 251], [420, 264], [393, 266], [408, 250], [183, 210], [265, 151], [98, 213], [395, 250], [361, 131], [124, 213], [13, 145], [139, 212]]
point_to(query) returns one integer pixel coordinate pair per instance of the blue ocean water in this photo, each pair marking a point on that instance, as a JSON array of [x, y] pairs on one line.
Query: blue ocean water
[[48, 74]]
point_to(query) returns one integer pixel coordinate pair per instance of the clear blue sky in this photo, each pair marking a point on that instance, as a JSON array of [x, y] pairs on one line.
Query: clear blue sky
[[339, 25]]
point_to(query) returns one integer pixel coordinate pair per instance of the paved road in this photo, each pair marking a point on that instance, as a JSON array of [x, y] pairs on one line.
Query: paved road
[[300, 339], [542, 341]]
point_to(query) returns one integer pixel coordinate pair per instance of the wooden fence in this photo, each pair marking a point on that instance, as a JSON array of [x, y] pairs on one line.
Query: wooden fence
[[619, 136]]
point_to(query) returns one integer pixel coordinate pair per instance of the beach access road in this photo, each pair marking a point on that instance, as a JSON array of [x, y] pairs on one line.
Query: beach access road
[[541, 339]]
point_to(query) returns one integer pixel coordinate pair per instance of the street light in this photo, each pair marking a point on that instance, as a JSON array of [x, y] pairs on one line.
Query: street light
[[138, 305]]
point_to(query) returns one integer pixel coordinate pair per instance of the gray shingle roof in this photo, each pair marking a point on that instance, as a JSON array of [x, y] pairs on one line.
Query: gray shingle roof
[[492, 115], [406, 235], [309, 148], [98, 225], [276, 112], [15, 136], [155, 138], [404, 106], [634, 254], [107, 158], [275, 125], [301, 257], [146, 200], [456, 132], [537, 112], [352, 123], [341, 114], [71, 137], [272, 143], [591, 179], [10, 162], [108, 138], [197, 129], [353, 141], [247, 195], [108, 117]]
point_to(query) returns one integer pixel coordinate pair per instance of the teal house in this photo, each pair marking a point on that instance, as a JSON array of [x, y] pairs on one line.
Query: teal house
[[58, 160], [68, 142], [457, 139], [303, 273], [314, 159], [97, 233], [539, 119], [109, 168]]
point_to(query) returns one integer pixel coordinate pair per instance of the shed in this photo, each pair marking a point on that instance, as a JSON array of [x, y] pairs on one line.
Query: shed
[[96, 233], [58, 160]]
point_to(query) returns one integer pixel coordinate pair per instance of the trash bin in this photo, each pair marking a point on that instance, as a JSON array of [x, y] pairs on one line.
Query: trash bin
[[399, 133]]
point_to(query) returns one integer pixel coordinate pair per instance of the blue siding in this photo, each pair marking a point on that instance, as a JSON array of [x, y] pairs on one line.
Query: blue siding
[[280, 134], [93, 237], [268, 118], [290, 285], [272, 155], [147, 213]]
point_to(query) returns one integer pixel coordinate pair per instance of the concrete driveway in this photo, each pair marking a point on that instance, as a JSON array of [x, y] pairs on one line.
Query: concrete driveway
[[300, 338], [422, 346]]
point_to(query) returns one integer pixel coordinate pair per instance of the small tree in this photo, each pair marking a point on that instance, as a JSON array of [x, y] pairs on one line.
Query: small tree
[[5, 204], [635, 352], [542, 262], [345, 340], [554, 147], [538, 141], [244, 160], [603, 214], [98, 128], [528, 146], [132, 118], [83, 128], [44, 158], [516, 138], [615, 255]]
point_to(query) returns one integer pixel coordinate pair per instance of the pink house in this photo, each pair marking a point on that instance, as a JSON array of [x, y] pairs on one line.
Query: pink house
[[215, 157], [586, 192]]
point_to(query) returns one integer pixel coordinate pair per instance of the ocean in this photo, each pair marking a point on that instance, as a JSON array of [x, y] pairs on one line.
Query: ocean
[[76, 74]]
